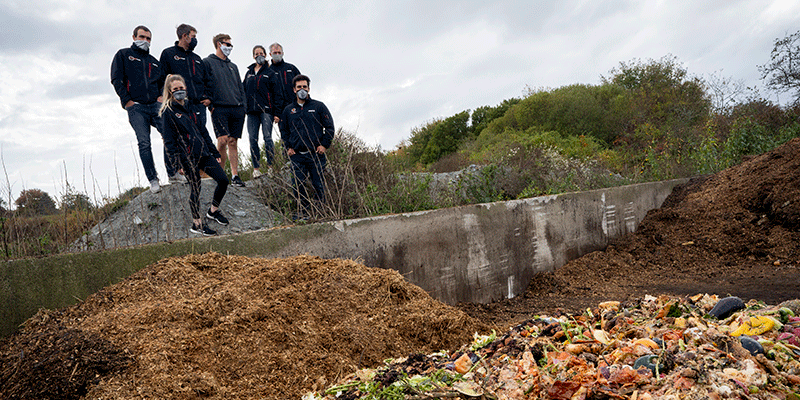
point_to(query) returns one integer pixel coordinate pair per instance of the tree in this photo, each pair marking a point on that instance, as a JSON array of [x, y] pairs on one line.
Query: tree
[[782, 73], [35, 202], [73, 201]]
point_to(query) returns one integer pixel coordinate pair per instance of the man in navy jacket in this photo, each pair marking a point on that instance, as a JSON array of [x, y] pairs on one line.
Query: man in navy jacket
[[307, 132], [138, 79], [182, 60]]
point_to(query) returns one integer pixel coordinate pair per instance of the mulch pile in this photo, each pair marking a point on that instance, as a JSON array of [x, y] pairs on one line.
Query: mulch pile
[[214, 326]]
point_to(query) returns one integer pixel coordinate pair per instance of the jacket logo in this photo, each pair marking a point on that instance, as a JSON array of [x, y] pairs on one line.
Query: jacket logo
[[294, 111], [178, 58], [178, 115], [132, 58], [312, 111]]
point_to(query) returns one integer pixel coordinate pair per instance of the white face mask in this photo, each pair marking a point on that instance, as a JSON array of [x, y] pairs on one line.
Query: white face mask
[[142, 44], [277, 57], [260, 60], [302, 94], [226, 50]]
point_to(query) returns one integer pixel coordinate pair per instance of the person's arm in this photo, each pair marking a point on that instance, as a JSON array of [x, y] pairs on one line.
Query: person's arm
[[283, 125], [326, 120], [170, 135], [210, 85], [118, 79], [207, 139]]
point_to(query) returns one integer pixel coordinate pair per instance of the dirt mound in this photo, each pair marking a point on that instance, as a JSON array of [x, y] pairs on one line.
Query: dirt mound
[[219, 326], [736, 232]]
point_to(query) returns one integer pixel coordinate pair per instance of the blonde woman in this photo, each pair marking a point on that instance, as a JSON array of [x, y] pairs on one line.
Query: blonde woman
[[190, 147]]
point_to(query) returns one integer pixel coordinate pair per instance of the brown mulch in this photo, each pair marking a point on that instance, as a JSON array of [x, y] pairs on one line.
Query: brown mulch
[[214, 326], [736, 232]]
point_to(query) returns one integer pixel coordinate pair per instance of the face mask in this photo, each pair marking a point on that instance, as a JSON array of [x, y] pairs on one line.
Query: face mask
[[179, 95], [302, 94], [277, 57], [260, 60], [142, 44], [226, 50], [192, 44]]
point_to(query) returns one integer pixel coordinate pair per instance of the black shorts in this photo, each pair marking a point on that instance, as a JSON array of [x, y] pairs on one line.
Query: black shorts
[[228, 121]]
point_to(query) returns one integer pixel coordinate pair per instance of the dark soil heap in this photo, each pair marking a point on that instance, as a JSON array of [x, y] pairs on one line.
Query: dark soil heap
[[213, 326], [736, 232]]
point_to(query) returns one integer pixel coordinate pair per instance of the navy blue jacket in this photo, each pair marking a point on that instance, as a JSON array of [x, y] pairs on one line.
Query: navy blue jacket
[[176, 60], [186, 140], [259, 90], [136, 76], [286, 72], [305, 127]]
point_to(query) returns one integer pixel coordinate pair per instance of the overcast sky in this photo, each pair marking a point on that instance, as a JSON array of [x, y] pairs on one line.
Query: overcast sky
[[382, 67]]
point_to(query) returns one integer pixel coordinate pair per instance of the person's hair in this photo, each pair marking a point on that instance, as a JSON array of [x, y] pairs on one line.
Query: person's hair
[[300, 78], [136, 30], [220, 37], [258, 46], [166, 94], [276, 44], [184, 29]]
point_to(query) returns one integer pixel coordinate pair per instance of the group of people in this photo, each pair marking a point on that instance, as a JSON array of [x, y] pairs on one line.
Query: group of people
[[173, 93]]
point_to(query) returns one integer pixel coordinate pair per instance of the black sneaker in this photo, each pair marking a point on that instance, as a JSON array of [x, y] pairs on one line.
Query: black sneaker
[[217, 216], [236, 181], [203, 229]]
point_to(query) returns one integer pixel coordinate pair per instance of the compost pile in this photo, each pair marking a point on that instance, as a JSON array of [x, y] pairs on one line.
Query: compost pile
[[650, 348], [222, 327], [736, 232]]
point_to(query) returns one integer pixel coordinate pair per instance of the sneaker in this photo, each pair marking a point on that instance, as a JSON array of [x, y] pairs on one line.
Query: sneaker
[[203, 229], [236, 181], [256, 173], [177, 178], [217, 216], [155, 187]]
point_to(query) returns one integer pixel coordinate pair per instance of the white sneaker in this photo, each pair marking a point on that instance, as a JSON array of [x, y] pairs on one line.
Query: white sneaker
[[256, 173], [177, 178], [155, 187]]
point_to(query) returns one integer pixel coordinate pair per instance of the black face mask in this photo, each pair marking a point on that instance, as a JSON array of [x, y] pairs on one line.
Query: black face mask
[[192, 44]]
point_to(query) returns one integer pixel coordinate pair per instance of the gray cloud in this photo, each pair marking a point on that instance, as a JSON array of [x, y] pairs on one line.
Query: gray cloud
[[78, 88]]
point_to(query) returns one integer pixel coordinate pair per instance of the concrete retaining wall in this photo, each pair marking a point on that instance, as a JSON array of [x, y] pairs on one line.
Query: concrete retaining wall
[[476, 253]]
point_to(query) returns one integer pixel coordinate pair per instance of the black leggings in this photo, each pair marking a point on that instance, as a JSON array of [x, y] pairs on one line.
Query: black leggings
[[212, 168]]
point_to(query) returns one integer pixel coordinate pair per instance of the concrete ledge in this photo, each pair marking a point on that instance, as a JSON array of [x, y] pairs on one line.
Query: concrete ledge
[[475, 253]]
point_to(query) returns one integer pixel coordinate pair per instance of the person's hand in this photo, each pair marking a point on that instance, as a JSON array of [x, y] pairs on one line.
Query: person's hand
[[290, 152], [129, 104], [180, 171], [205, 102], [277, 119], [321, 149], [219, 161], [158, 99]]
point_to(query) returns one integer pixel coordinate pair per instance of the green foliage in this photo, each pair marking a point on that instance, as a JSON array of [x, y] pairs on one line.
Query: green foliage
[[73, 200], [438, 138], [482, 116]]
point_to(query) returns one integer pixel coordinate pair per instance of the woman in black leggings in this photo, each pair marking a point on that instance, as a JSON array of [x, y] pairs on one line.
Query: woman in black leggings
[[189, 145]]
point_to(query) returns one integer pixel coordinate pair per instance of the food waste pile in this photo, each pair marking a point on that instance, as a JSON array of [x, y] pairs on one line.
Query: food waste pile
[[698, 347]]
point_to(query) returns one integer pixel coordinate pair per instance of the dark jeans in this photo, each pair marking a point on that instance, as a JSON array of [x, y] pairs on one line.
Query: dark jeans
[[228, 121], [212, 168], [142, 117], [307, 165], [263, 121]]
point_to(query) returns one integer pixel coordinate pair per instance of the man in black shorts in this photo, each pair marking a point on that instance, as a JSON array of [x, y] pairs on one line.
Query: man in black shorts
[[227, 103]]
